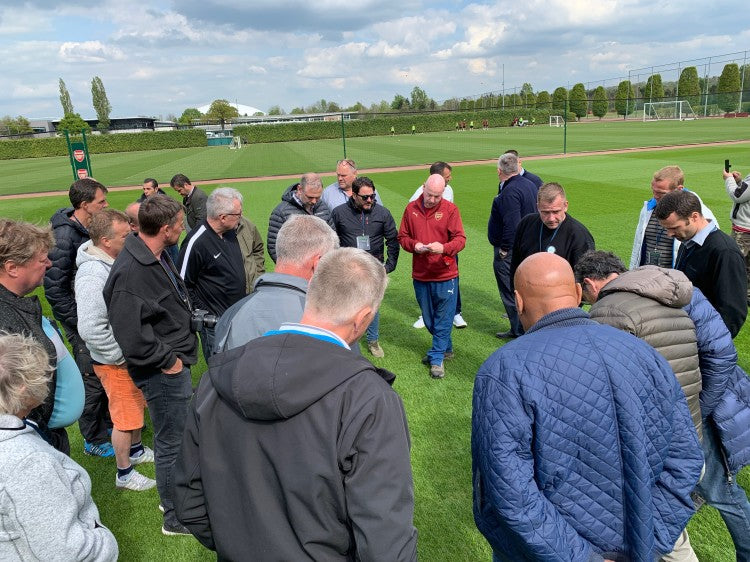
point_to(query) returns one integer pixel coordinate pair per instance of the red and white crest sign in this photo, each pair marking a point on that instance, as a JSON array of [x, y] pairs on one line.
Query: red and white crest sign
[[79, 155], [82, 173]]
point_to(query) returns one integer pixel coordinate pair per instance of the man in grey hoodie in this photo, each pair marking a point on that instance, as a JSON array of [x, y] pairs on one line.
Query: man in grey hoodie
[[108, 230]]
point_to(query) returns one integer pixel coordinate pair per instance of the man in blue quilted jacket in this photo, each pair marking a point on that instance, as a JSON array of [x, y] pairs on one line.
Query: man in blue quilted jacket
[[583, 447]]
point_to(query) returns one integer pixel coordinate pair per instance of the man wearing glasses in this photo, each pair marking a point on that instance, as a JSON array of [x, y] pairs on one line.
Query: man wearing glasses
[[361, 223], [211, 260]]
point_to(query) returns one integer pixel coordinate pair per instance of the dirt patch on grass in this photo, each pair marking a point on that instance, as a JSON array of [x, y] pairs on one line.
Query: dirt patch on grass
[[402, 168]]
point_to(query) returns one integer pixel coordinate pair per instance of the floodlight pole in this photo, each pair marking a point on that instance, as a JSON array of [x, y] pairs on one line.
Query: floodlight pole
[[742, 80], [343, 133], [565, 128], [705, 102]]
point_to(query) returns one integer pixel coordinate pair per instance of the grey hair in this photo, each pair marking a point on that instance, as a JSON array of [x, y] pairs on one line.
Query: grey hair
[[549, 192], [303, 237], [220, 201], [598, 265], [508, 164], [345, 281], [25, 373]]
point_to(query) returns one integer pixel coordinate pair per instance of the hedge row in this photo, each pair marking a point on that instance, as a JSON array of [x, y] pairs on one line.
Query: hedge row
[[368, 125], [99, 144]]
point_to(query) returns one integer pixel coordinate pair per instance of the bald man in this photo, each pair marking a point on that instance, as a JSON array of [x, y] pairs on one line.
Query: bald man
[[582, 443], [432, 230]]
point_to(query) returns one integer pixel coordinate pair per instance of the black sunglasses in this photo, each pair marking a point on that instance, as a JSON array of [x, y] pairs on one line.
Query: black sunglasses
[[367, 197]]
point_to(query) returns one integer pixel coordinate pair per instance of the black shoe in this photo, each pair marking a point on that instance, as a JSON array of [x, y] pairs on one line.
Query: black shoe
[[506, 335], [174, 529]]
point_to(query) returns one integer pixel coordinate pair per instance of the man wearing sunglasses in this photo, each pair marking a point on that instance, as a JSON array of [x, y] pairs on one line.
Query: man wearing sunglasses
[[361, 223]]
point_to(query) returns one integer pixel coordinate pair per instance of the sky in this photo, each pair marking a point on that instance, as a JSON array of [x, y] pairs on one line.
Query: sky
[[158, 58]]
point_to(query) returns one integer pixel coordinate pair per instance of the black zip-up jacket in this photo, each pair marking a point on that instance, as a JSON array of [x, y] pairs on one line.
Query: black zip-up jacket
[[297, 449], [150, 318], [377, 223], [60, 277]]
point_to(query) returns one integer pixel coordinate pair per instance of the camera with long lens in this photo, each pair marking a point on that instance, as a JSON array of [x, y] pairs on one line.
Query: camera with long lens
[[202, 319]]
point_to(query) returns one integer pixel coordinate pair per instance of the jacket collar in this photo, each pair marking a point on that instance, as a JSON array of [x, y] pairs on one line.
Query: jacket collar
[[25, 304], [561, 319]]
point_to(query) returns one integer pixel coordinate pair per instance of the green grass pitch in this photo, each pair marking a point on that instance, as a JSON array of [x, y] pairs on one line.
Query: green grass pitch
[[605, 193]]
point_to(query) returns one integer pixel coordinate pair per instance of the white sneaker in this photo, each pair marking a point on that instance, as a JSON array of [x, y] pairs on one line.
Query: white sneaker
[[458, 321], [146, 456], [419, 323], [136, 482]]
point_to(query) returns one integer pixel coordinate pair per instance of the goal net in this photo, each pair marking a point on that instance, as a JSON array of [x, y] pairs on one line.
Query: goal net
[[668, 111], [555, 121], [236, 143]]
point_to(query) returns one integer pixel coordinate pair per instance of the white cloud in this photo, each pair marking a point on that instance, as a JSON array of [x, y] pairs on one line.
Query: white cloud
[[89, 51]]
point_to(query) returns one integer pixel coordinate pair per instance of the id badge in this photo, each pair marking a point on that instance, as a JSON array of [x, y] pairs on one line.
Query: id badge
[[653, 257], [363, 243]]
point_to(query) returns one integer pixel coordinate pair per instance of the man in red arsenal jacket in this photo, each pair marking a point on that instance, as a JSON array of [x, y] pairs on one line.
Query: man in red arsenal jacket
[[431, 229]]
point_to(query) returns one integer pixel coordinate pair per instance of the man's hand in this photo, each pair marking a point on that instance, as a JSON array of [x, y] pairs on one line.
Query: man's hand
[[736, 175], [435, 247], [420, 248], [174, 369]]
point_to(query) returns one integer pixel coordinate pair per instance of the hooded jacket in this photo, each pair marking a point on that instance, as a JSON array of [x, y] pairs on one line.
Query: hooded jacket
[[296, 449], [648, 303], [740, 196], [94, 266], [290, 206], [59, 279]]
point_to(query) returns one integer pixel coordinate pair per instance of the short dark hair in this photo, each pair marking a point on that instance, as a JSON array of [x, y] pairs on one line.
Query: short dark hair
[[360, 182], [157, 211], [179, 180], [152, 181], [439, 166], [597, 264], [511, 151], [680, 202], [83, 191]]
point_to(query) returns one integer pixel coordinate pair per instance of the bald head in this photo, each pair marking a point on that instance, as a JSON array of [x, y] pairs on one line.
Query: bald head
[[544, 283], [433, 190]]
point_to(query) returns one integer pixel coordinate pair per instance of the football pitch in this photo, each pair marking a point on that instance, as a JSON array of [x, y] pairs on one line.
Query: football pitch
[[605, 192], [255, 160]]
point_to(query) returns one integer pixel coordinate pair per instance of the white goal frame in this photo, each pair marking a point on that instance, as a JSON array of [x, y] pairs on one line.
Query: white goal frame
[[556, 121], [678, 110], [236, 143]]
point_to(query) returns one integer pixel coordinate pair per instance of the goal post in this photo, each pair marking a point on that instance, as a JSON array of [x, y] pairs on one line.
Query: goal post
[[236, 143], [678, 110], [556, 121]]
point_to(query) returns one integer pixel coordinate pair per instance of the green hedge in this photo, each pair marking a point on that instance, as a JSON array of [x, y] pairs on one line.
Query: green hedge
[[99, 144], [368, 125]]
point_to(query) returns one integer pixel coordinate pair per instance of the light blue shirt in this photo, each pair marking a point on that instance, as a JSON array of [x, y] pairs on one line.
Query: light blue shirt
[[69, 393]]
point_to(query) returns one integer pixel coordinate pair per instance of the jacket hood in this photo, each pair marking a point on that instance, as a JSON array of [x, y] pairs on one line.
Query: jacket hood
[[276, 377], [61, 219], [288, 194], [87, 252], [668, 287]]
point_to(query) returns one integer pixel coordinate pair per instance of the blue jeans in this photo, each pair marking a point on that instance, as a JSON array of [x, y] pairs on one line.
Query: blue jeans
[[725, 495], [501, 266], [168, 397], [373, 330], [437, 300]]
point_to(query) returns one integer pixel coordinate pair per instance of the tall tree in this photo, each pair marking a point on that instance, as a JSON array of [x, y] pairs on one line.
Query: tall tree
[[67, 105], [419, 99], [543, 100], [100, 103], [276, 110], [222, 110], [600, 103], [579, 103], [188, 115], [654, 89], [560, 100], [729, 88], [625, 98], [73, 123], [688, 86], [399, 103]]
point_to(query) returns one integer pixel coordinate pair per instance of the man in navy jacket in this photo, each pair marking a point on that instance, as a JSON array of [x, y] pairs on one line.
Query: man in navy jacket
[[582, 444]]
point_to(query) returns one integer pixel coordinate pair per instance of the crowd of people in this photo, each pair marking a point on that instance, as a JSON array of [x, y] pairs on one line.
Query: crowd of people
[[593, 433]]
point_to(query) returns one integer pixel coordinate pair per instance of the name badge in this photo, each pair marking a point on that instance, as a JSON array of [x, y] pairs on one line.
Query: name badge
[[653, 257], [363, 242]]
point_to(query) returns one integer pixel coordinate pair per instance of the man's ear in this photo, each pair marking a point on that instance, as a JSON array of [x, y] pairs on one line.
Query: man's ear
[[10, 268], [519, 302], [579, 293], [364, 316]]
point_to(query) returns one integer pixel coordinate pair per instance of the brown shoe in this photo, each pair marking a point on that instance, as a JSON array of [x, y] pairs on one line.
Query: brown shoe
[[374, 348], [437, 371]]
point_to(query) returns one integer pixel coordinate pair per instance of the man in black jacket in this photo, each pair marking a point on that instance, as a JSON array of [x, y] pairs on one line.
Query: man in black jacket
[[70, 227], [149, 310], [362, 223], [708, 256], [316, 465], [193, 200]]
